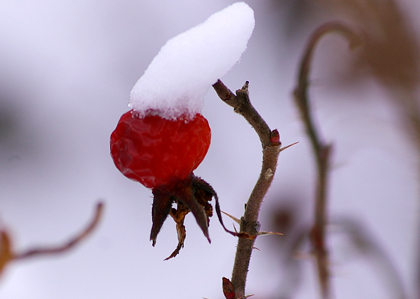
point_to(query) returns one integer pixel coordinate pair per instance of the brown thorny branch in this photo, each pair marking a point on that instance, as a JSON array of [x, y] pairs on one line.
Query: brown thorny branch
[[271, 145], [8, 255], [321, 150]]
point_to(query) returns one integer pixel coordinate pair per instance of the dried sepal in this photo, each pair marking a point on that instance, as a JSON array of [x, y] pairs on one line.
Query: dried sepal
[[219, 215], [188, 196], [192, 194], [162, 202], [204, 186], [189, 193], [179, 215]]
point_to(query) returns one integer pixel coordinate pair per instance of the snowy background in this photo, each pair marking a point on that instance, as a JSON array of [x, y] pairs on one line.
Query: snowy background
[[66, 70]]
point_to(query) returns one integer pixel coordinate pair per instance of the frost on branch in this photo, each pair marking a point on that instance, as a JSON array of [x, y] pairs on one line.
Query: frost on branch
[[178, 78]]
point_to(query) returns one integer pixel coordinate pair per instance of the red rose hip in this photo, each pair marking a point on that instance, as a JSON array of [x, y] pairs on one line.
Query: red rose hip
[[156, 151], [161, 154]]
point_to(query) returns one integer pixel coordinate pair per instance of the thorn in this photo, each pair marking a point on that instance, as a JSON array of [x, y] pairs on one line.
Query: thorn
[[269, 233], [234, 228], [287, 146], [232, 217]]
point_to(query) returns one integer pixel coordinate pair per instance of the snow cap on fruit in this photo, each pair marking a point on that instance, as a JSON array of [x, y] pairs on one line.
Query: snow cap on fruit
[[178, 78]]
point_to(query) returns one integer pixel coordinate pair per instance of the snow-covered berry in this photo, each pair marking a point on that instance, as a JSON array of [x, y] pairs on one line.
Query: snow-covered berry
[[164, 137]]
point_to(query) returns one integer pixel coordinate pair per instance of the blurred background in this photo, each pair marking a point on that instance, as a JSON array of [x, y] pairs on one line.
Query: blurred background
[[66, 70]]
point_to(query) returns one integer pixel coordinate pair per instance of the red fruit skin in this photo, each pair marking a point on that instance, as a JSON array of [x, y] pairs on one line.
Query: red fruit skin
[[156, 151]]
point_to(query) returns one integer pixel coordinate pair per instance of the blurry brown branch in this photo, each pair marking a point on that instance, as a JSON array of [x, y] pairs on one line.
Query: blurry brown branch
[[391, 55], [391, 51], [69, 244], [270, 141], [366, 245], [6, 251], [321, 150]]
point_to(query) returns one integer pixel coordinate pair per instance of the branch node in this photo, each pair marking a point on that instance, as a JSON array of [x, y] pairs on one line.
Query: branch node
[[252, 228], [269, 173]]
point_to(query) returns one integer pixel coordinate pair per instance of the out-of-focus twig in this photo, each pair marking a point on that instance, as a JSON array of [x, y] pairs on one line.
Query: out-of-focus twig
[[365, 244], [321, 150], [7, 254], [270, 141], [391, 55], [69, 244]]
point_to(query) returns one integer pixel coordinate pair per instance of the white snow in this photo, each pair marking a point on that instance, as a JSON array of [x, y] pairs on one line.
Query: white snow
[[178, 78]]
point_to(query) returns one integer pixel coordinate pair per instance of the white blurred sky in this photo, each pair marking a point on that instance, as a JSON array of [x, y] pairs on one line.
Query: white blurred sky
[[66, 70]]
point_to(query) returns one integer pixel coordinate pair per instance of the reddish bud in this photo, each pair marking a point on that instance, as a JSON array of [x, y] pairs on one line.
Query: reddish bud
[[228, 289], [275, 137]]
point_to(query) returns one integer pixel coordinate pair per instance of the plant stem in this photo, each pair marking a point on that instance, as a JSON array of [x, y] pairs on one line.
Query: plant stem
[[321, 152], [271, 149], [410, 112], [70, 244]]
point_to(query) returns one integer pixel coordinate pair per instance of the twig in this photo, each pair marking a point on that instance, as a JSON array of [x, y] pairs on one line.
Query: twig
[[320, 149], [365, 244], [69, 244], [8, 255], [271, 148]]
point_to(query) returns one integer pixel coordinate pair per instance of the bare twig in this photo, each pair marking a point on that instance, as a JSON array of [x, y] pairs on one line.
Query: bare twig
[[320, 149], [8, 255], [365, 244], [271, 145], [69, 244]]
